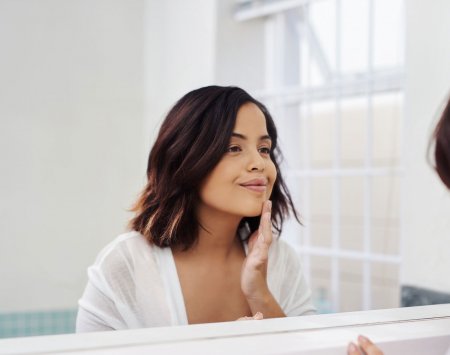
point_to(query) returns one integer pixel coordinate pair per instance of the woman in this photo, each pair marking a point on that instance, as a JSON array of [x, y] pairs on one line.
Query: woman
[[441, 138], [442, 146], [200, 247]]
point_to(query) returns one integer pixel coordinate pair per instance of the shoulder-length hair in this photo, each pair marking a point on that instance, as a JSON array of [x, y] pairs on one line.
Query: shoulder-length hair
[[191, 141], [442, 146]]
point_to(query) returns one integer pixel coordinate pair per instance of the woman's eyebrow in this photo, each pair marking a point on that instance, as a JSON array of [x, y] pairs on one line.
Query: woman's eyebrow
[[265, 137]]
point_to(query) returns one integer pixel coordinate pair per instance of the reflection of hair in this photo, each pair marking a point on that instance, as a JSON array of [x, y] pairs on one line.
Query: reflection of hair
[[192, 140], [442, 148]]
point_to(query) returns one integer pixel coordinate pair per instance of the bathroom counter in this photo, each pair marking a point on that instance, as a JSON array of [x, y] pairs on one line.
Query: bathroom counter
[[414, 330]]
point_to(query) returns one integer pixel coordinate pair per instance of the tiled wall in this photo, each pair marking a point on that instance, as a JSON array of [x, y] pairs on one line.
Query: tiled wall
[[20, 324]]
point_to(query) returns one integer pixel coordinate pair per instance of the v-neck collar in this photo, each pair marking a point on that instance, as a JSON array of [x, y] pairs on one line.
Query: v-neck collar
[[172, 285]]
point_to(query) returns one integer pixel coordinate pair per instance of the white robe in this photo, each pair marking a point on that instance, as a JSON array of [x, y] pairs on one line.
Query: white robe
[[133, 284]]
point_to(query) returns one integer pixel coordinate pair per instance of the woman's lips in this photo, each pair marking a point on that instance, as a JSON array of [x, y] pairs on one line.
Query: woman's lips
[[256, 185], [256, 188]]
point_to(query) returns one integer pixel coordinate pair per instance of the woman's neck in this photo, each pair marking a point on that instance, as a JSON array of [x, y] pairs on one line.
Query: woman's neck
[[217, 233]]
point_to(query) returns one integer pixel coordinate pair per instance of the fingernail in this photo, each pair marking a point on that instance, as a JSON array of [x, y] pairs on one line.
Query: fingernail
[[351, 347], [258, 315], [269, 205], [362, 339]]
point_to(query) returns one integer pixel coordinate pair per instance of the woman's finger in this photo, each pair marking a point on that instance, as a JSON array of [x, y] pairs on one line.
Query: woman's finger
[[252, 240], [368, 347], [266, 222], [262, 237], [257, 316], [266, 206], [267, 228], [353, 349]]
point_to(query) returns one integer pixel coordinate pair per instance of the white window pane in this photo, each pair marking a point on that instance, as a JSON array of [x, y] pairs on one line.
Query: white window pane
[[323, 22], [388, 34], [322, 136], [321, 211], [353, 131], [291, 56], [352, 213], [385, 286], [385, 214], [311, 75], [320, 283], [289, 130], [387, 128], [354, 35], [350, 279]]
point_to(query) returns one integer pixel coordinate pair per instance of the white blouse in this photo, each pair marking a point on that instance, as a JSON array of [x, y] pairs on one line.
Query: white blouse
[[134, 284]]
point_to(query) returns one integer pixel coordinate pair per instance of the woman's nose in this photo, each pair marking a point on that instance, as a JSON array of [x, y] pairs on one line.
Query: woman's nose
[[256, 162]]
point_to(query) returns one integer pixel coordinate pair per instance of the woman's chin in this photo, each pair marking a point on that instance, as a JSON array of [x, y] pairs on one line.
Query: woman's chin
[[247, 207], [252, 212]]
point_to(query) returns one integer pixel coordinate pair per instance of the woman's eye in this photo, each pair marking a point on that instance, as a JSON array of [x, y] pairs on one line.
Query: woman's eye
[[264, 150], [234, 149]]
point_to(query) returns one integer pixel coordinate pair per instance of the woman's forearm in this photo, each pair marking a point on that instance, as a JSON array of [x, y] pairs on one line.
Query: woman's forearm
[[267, 305]]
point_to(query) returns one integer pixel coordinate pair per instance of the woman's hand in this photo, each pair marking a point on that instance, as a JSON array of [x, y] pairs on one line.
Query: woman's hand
[[257, 316], [254, 270], [365, 347]]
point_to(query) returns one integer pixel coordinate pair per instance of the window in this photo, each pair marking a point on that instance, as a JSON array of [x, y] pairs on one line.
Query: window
[[334, 83]]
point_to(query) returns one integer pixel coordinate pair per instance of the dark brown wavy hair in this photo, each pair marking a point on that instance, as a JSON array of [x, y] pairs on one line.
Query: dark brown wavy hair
[[442, 146], [191, 141]]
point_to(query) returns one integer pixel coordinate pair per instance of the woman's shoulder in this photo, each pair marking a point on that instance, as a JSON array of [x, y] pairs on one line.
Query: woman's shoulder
[[284, 256], [126, 248], [282, 249]]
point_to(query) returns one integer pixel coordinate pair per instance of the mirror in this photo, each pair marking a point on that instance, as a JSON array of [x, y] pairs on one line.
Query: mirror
[[355, 88]]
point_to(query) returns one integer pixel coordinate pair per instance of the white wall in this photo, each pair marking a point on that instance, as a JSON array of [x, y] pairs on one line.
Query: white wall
[[71, 106], [240, 50], [179, 54], [84, 85], [426, 241]]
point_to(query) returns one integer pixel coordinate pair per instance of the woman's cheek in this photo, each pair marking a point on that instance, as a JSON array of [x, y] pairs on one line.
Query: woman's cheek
[[273, 174], [272, 179]]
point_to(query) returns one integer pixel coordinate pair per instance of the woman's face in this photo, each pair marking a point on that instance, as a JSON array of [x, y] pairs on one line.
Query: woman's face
[[244, 177]]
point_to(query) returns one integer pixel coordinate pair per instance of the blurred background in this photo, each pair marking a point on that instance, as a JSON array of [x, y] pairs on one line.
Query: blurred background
[[355, 88]]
